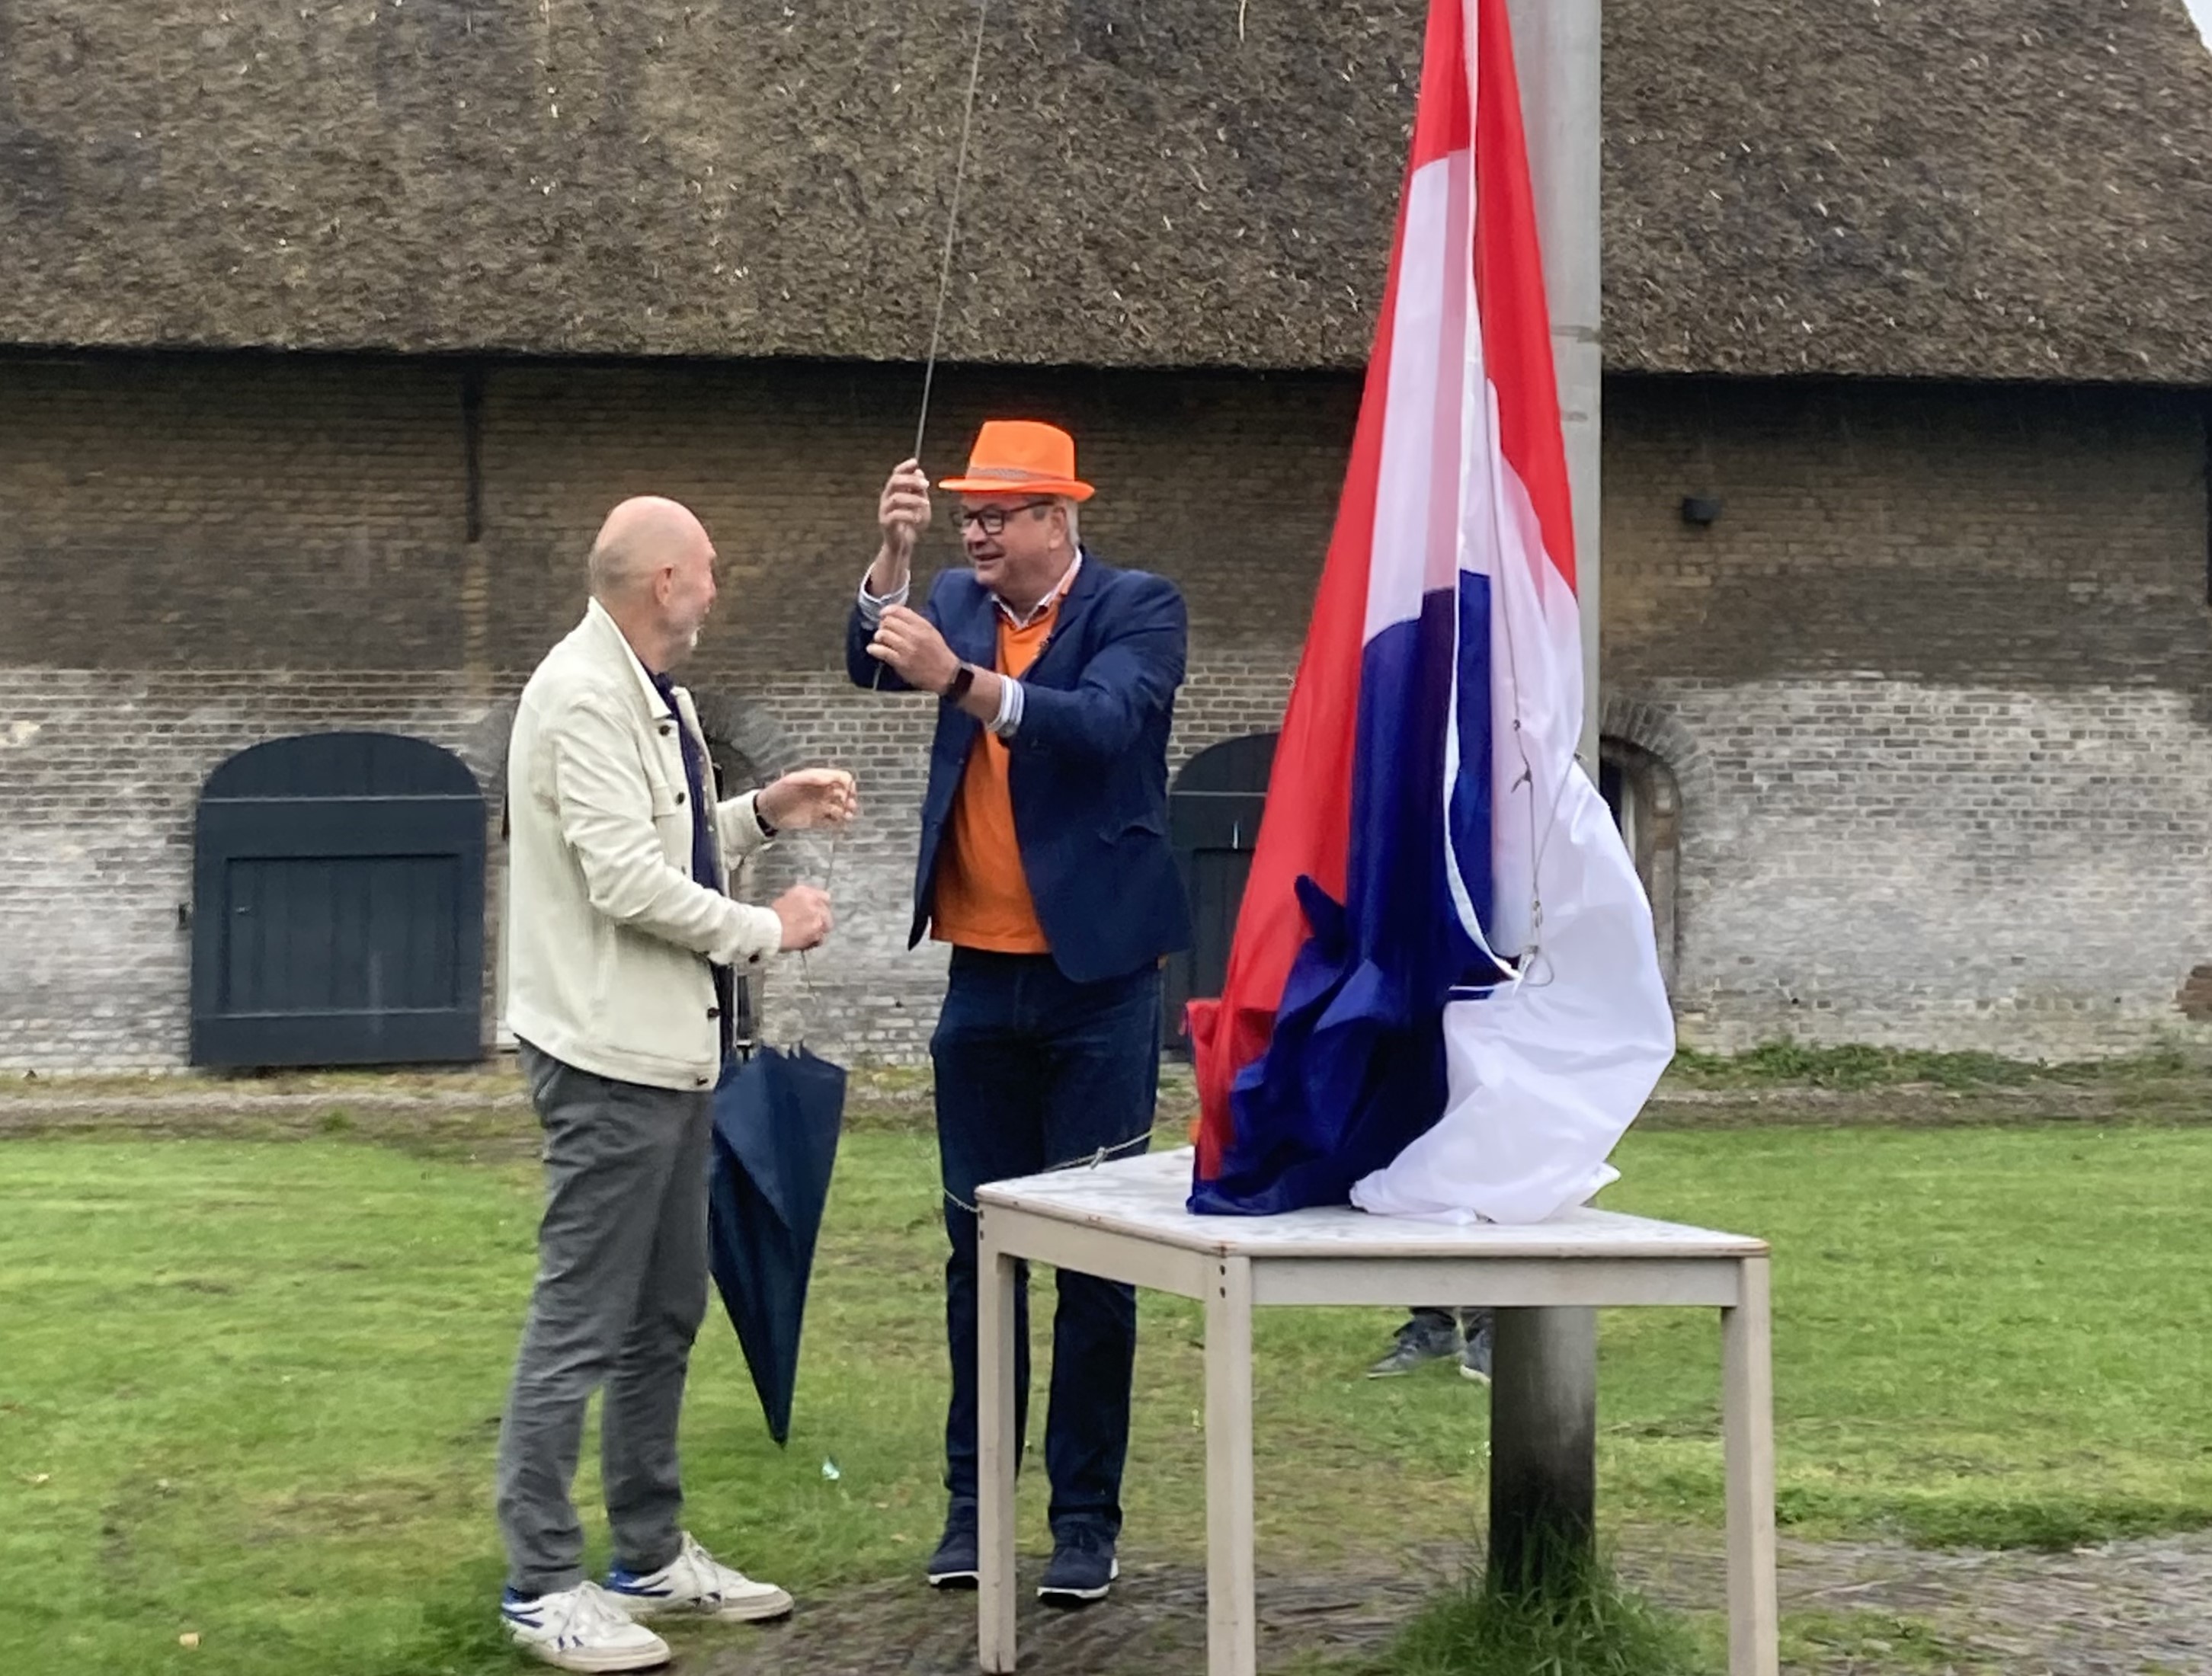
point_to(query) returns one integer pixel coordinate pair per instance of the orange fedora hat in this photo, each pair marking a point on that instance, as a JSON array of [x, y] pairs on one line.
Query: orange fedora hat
[[1024, 456]]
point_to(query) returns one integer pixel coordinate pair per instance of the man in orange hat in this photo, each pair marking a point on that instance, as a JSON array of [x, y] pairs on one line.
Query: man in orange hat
[[1045, 864]]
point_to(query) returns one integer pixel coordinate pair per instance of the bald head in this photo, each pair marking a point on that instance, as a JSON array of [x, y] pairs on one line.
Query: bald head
[[652, 568], [642, 537]]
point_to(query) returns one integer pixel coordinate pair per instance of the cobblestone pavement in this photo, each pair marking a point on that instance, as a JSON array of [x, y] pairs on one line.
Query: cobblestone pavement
[[2127, 1609]]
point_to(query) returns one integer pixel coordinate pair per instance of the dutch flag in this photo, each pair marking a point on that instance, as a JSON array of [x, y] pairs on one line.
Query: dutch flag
[[1443, 998]]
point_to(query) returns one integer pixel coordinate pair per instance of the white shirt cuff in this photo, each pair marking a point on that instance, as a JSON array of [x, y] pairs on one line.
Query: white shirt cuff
[[873, 606], [1010, 709]]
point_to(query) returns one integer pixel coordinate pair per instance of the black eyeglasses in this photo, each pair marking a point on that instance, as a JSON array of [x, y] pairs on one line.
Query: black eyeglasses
[[992, 520]]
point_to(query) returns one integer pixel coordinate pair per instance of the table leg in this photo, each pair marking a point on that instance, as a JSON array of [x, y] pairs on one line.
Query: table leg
[[1231, 1615], [994, 1487], [1747, 1425]]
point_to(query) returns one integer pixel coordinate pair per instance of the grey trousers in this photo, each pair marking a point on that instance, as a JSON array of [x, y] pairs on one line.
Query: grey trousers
[[622, 1287]]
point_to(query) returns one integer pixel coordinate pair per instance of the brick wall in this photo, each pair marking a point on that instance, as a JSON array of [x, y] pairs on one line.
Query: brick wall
[[99, 772], [1935, 688], [202, 553], [230, 514]]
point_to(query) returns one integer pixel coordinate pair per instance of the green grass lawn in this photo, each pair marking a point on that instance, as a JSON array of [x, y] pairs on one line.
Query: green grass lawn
[[250, 1390]]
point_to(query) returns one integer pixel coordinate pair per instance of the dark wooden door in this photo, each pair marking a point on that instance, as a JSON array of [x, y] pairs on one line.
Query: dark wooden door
[[338, 893], [1213, 821]]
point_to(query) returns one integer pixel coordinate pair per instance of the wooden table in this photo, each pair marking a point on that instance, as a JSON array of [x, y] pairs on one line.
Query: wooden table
[[1125, 1220]]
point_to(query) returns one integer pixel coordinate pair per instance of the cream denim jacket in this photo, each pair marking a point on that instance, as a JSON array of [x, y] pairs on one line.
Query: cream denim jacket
[[608, 937]]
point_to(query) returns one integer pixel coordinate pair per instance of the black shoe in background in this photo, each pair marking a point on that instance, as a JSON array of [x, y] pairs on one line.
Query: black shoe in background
[[1430, 1336]]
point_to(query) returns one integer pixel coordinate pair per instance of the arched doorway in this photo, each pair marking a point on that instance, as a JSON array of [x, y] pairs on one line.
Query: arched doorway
[[1640, 789], [1213, 822]]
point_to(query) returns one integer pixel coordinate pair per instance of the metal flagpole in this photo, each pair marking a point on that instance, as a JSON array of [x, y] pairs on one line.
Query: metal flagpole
[[1543, 1411]]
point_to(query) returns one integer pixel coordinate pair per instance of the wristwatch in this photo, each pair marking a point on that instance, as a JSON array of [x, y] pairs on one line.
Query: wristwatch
[[768, 828], [961, 683]]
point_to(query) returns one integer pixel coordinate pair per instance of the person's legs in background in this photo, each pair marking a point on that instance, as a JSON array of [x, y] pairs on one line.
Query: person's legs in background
[[1429, 1334], [1474, 1337]]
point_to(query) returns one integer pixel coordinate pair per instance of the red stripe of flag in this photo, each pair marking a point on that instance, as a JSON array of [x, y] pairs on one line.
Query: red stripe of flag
[[1313, 757], [1508, 289]]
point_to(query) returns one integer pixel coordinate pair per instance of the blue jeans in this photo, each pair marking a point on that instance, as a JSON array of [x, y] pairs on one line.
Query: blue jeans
[[1035, 1071]]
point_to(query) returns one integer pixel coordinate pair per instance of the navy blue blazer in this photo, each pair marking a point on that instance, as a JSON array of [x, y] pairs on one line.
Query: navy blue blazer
[[1087, 768]]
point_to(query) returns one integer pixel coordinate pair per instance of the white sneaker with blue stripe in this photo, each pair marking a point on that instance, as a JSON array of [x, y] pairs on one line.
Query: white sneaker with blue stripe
[[580, 1629], [698, 1585]]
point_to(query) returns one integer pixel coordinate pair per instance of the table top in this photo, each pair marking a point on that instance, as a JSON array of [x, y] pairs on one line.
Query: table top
[[1143, 1197]]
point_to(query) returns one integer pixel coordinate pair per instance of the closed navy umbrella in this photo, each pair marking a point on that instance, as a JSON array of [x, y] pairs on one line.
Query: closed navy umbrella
[[776, 1120]]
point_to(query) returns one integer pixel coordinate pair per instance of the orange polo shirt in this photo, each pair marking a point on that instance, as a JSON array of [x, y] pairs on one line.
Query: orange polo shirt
[[982, 897]]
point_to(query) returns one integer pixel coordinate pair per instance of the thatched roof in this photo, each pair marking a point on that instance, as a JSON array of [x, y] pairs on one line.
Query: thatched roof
[[1993, 188], [1986, 188]]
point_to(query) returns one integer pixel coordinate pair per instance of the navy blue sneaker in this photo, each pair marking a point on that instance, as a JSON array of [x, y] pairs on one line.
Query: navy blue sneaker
[[956, 1565], [1083, 1567]]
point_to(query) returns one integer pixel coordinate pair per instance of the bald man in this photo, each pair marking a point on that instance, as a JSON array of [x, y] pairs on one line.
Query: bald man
[[621, 944]]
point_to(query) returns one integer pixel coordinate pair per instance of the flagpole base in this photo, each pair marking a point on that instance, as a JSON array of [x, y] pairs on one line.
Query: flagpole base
[[1543, 1447]]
